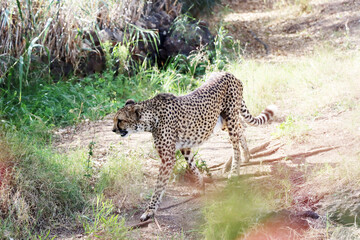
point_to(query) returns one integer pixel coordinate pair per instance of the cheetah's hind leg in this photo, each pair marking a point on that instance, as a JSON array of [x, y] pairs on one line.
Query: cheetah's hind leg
[[189, 157], [243, 144], [231, 117]]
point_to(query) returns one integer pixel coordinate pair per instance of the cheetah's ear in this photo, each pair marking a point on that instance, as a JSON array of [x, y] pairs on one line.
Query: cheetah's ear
[[129, 102], [137, 110]]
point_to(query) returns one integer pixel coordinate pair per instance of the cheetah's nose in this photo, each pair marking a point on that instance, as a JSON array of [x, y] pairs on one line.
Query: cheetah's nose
[[114, 130]]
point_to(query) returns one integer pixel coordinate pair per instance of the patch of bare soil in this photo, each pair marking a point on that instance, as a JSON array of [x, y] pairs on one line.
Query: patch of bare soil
[[281, 28]]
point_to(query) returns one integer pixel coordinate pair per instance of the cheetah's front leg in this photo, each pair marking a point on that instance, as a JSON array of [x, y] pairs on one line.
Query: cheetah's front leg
[[167, 163]]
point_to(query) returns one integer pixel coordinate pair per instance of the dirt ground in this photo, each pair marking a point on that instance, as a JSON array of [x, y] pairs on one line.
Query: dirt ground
[[286, 31], [289, 29], [185, 217]]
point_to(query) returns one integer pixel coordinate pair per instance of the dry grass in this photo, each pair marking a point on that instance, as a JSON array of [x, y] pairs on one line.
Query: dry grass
[[326, 79], [56, 28], [328, 179]]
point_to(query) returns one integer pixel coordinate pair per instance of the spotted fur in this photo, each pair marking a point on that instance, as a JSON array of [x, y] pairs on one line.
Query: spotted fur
[[187, 121]]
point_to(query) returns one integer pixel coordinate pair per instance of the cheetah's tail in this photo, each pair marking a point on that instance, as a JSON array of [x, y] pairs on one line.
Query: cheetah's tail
[[263, 117]]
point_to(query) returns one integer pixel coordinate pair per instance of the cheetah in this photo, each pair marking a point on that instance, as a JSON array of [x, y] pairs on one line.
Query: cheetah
[[184, 122]]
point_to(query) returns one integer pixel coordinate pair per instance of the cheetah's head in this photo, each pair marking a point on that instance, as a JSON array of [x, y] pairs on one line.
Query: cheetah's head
[[127, 119]]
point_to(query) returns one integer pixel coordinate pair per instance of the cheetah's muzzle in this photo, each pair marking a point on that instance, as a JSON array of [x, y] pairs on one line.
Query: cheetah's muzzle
[[123, 133]]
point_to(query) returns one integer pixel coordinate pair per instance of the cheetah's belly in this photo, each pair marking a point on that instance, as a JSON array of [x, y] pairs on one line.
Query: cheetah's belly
[[186, 144], [194, 139]]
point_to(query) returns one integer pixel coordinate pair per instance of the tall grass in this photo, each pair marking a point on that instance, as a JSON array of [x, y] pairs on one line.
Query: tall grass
[[69, 18], [65, 32], [65, 103]]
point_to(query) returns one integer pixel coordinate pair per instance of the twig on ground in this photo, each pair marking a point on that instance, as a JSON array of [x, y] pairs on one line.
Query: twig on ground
[[226, 168], [141, 224], [267, 50], [177, 204], [157, 224], [216, 169], [227, 165], [260, 147], [267, 153], [216, 165], [291, 156], [265, 161]]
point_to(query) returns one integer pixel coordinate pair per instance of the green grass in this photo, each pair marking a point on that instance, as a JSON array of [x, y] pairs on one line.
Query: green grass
[[48, 190], [237, 208], [46, 106], [117, 175], [103, 222]]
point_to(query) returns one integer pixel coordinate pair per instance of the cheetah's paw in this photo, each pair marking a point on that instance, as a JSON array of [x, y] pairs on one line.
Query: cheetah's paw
[[247, 157], [198, 193], [233, 175], [147, 214]]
